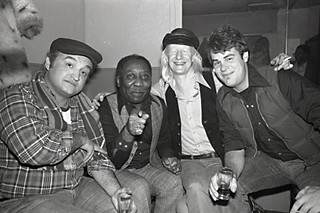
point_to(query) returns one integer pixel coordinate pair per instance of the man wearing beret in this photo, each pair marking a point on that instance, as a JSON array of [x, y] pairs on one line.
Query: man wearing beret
[[49, 134], [190, 96]]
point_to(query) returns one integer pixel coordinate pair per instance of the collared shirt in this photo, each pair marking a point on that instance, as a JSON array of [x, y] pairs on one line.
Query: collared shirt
[[114, 140], [194, 139], [33, 154], [297, 91]]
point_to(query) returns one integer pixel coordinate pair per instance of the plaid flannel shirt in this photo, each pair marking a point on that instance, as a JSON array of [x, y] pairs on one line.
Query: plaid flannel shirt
[[32, 153]]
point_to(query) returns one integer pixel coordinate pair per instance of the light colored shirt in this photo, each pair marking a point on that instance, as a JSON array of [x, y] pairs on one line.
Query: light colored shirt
[[194, 138]]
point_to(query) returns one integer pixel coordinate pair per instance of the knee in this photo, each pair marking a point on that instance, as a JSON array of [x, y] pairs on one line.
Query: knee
[[174, 182], [141, 188], [197, 188]]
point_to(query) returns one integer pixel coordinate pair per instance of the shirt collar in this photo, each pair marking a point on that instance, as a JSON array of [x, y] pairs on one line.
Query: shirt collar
[[198, 79], [122, 101]]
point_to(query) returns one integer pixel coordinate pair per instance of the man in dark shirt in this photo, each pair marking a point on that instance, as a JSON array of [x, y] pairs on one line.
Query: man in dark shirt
[[269, 120], [138, 138]]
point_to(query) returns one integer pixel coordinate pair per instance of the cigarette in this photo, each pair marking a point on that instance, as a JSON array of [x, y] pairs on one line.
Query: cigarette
[[286, 59], [140, 114]]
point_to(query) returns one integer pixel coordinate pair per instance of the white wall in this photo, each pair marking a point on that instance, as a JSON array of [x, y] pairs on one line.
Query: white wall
[[114, 27], [61, 18]]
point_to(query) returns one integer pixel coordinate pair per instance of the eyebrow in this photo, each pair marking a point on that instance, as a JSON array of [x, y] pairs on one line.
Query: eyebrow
[[230, 54], [74, 59]]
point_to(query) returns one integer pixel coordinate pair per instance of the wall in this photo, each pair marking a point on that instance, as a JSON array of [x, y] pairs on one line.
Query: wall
[[303, 24], [61, 18], [121, 27], [114, 27]]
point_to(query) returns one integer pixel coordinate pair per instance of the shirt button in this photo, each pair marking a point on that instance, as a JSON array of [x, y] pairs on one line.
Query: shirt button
[[120, 143], [269, 139], [252, 106], [126, 146], [179, 133], [140, 142], [247, 106], [179, 124], [259, 123], [280, 153]]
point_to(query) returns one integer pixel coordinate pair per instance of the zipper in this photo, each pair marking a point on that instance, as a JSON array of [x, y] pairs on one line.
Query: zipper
[[254, 140], [275, 132]]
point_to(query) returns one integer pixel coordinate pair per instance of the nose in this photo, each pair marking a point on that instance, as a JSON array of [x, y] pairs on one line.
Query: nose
[[224, 67], [178, 54], [138, 81], [75, 75]]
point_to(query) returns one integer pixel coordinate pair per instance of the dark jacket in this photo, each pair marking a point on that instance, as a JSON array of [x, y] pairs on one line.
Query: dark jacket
[[298, 135]]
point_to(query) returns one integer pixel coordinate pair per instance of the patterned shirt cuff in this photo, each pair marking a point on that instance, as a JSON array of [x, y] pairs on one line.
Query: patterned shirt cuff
[[99, 162]]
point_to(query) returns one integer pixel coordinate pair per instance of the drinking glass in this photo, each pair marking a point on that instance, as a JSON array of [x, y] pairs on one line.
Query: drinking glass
[[225, 176], [124, 204]]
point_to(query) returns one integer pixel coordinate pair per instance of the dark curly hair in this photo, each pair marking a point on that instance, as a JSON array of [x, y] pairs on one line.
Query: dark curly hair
[[225, 38]]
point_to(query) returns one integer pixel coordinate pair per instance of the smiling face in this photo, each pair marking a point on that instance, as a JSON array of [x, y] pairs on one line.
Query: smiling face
[[231, 68], [180, 58], [134, 81], [67, 75]]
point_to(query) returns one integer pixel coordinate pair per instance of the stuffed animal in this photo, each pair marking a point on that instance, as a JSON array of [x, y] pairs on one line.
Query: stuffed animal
[[17, 18]]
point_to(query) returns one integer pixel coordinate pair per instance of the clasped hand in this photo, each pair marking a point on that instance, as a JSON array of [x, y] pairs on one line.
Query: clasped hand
[[172, 164]]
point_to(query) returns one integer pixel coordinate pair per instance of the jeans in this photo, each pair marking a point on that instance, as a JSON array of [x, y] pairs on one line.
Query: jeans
[[196, 176], [88, 196], [263, 172], [150, 181]]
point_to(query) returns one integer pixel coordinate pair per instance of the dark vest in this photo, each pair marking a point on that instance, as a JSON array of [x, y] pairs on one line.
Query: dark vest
[[209, 116]]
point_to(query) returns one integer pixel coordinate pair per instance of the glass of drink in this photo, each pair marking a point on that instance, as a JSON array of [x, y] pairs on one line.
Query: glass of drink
[[225, 176], [124, 203]]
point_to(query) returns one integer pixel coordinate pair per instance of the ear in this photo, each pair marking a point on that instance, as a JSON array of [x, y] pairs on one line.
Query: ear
[[118, 82], [47, 63], [245, 56]]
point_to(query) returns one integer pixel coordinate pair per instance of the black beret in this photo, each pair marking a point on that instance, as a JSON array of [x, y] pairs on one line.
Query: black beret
[[181, 36], [74, 47]]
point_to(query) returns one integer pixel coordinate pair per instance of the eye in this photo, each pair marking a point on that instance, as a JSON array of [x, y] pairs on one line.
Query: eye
[[85, 73], [145, 76], [229, 59], [69, 65], [216, 64], [130, 76]]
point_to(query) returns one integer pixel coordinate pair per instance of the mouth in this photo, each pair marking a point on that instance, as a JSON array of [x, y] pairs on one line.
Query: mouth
[[227, 75], [180, 63], [71, 82]]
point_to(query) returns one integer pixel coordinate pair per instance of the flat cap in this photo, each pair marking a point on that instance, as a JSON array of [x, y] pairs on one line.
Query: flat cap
[[74, 47], [181, 36]]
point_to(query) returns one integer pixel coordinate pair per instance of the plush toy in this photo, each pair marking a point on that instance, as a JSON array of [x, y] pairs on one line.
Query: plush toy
[[17, 18]]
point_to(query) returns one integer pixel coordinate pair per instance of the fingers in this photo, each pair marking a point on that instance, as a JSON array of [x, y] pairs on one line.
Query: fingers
[[301, 193], [296, 206], [137, 121], [277, 59], [99, 149], [88, 156], [172, 164], [96, 104], [213, 187], [233, 185]]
